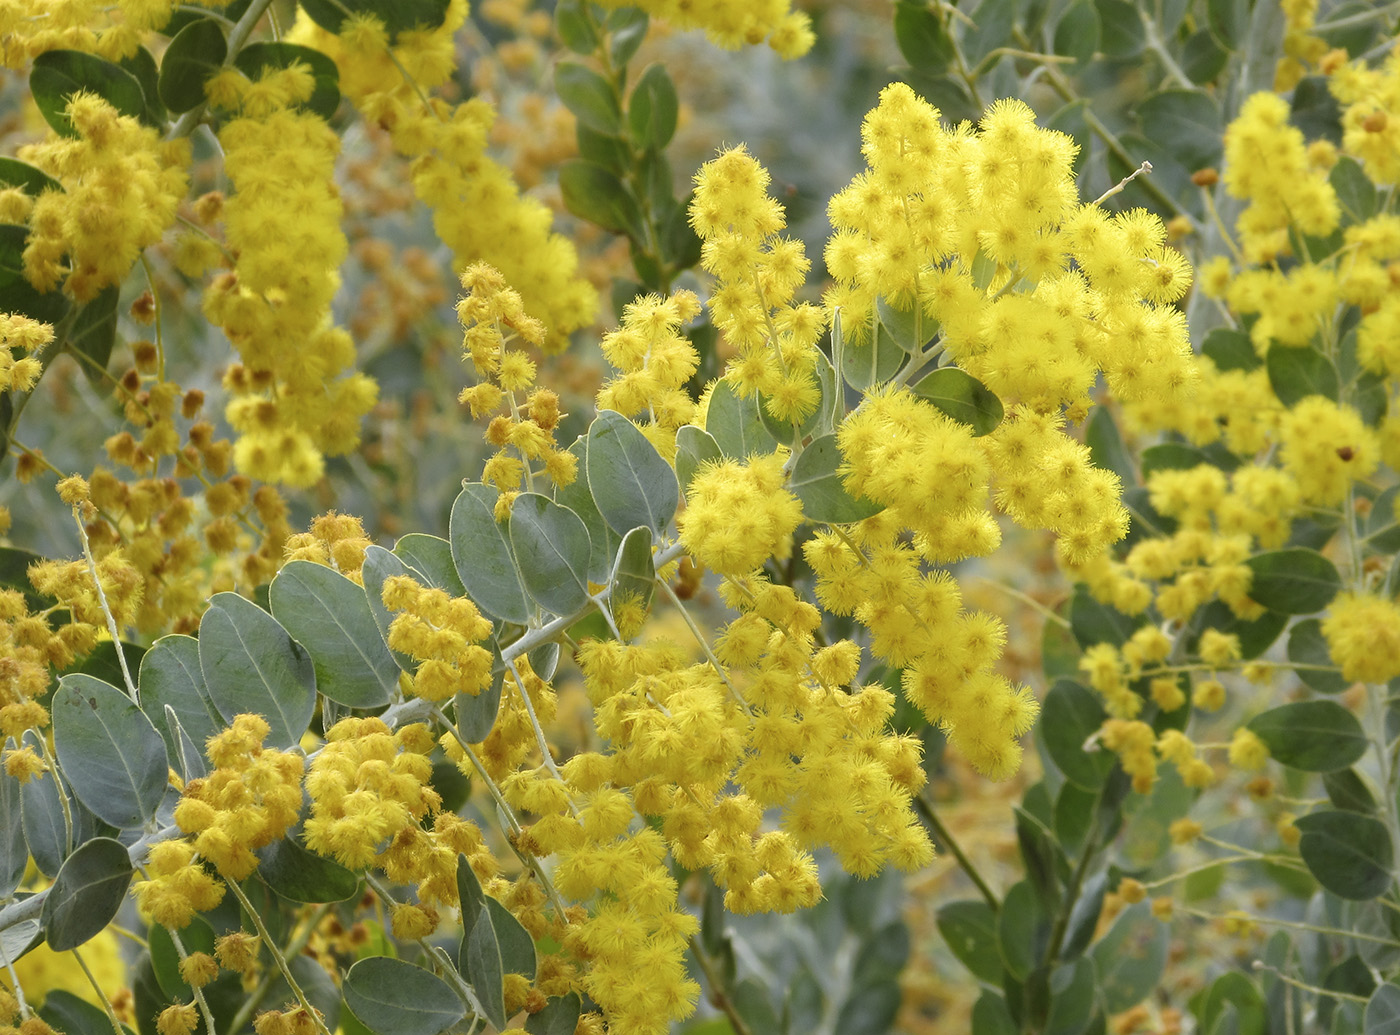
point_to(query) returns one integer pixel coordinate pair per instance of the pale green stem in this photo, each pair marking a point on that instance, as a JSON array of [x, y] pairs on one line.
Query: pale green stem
[[705, 646], [539, 731], [254, 999], [1296, 925], [278, 957], [106, 609], [198, 992]]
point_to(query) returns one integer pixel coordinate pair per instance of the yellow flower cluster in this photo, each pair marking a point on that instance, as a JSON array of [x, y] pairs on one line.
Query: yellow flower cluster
[[336, 540], [522, 427], [28, 28], [1326, 447], [738, 515], [1363, 636], [443, 633], [121, 184], [478, 210], [1268, 164], [1371, 115], [21, 334], [368, 786], [654, 361], [251, 799], [735, 23], [293, 400], [177, 886], [28, 646], [1235, 407], [758, 275]]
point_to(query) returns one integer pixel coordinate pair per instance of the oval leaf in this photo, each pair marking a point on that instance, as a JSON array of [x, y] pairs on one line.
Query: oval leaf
[[970, 930], [1296, 581], [1296, 373], [591, 98], [631, 482], [380, 564], [194, 56], [1130, 958], [303, 876], [14, 857], [170, 677], [652, 109], [41, 815], [87, 893], [962, 397], [559, 1017], [578, 497], [1315, 736], [325, 96], [251, 664], [551, 548], [431, 557], [480, 959], [58, 74], [1350, 854], [328, 615], [736, 425], [392, 997], [113, 757], [694, 446], [483, 555], [1307, 646], [817, 484]]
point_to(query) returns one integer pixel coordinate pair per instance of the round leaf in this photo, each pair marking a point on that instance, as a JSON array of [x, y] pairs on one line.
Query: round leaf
[[58, 74], [483, 554], [431, 557], [551, 548], [962, 397], [1296, 373], [392, 997], [817, 484], [111, 754], [1315, 736], [302, 876], [736, 425], [631, 482], [694, 446], [194, 56], [970, 930], [87, 893], [251, 664], [1296, 581], [325, 96], [1350, 854], [328, 615]]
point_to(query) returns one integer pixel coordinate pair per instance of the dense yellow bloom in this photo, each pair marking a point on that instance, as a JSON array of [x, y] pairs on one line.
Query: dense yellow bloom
[[1363, 635], [443, 633], [732, 24], [21, 334], [738, 515], [177, 886], [1247, 751], [1326, 447], [654, 361]]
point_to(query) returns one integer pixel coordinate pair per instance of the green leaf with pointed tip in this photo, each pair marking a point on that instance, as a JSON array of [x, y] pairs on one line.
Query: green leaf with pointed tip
[[1307, 646], [694, 446], [170, 676], [559, 1017], [736, 424], [635, 573], [481, 965], [962, 397], [652, 109], [922, 37], [431, 557], [817, 484], [516, 946], [1296, 581], [251, 664], [594, 193], [969, 929], [551, 547], [483, 555], [325, 95], [591, 98], [1130, 957], [58, 74], [1350, 854], [1296, 373], [626, 28], [86, 894], [575, 26], [111, 754], [1315, 736], [299, 875], [194, 56], [394, 997], [631, 482], [328, 615]]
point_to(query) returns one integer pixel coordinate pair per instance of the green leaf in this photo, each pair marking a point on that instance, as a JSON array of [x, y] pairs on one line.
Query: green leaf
[[325, 95], [1296, 373], [1382, 1015], [1130, 958], [1106, 447], [380, 565], [170, 676], [1350, 854], [969, 928], [736, 425], [1233, 995], [41, 816], [907, 328], [922, 37], [962, 397], [594, 193], [469, 894], [65, 1012], [817, 484], [1077, 32], [822, 419], [393, 997], [111, 754], [481, 965], [1346, 790], [1023, 930], [1072, 121], [483, 554], [694, 446], [299, 875], [1256, 635], [1355, 191], [477, 715], [14, 857], [516, 946], [431, 557], [591, 98], [141, 65], [87, 893], [993, 22], [1070, 716], [189, 755], [1307, 646], [1315, 736], [1170, 456], [871, 362], [1296, 581], [634, 574], [17, 295], [1186, 122], [1123, 35], [559, 1017], [575, 27], [1203, 58], [14, 173], [551, 548], [631, 482], [251, 664], [868, 1010], [58, 74], [578, 497], [93, 334], [1093, 622], [1229, 20], [627, 28], [990, 1016], [194, 56], [1073, 998], [396, 15], [328, 615], [652, 109]]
